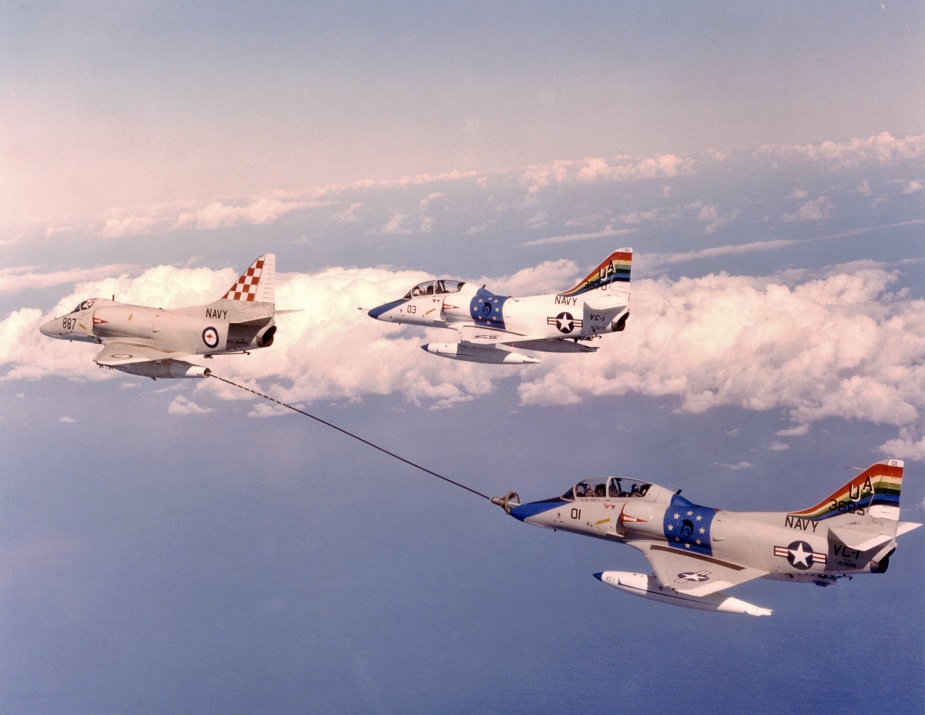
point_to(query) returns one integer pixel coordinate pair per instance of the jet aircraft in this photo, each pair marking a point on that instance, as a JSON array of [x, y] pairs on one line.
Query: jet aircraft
[[695, 551], [153, 342], [489, 325]]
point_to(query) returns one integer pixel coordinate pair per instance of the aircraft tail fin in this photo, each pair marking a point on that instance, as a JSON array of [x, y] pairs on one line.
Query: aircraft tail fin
[[872, 495], [257, 283], [613, 269]]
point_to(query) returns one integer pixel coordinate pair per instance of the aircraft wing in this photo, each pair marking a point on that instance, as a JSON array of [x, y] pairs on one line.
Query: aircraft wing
[[486, 335], [692, 573], [117, 352]]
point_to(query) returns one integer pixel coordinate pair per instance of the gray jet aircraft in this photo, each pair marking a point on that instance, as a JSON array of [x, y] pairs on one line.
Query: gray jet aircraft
[[153, 342], [695, 551]]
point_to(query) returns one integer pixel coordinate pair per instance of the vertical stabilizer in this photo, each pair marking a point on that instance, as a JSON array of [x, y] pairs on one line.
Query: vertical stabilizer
[[256, 284], [874, 493], [613, 269]]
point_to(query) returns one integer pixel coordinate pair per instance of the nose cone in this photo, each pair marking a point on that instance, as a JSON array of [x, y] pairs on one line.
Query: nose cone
[[381, 312], [50, 329], [533, 509]]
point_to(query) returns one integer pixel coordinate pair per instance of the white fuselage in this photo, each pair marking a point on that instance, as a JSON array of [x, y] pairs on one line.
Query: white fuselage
[[543, 317], [784, 545]]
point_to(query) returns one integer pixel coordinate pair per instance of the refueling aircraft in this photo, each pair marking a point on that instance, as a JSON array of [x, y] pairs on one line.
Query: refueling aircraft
[[153, 342], [489, 325], [695, 551]]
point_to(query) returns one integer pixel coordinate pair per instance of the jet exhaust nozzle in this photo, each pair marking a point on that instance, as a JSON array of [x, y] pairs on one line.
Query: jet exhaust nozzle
[[648, 587], [265, 337]]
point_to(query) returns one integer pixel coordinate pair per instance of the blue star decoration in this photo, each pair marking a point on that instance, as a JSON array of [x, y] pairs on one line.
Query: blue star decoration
[[687, 526], [487, 308]]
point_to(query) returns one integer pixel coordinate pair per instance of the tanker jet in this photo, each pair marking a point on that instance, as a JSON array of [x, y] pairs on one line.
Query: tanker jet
[[695, 551], [153, 342], [489, 324]]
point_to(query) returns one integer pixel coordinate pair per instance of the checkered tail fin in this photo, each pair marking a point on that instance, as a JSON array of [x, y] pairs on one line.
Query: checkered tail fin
[[256, 284]]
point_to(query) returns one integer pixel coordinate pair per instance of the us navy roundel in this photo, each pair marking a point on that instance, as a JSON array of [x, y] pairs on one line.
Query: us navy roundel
[[800, 555]]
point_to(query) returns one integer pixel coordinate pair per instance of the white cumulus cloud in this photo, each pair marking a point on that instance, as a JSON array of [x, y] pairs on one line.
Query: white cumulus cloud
[[834, 343]]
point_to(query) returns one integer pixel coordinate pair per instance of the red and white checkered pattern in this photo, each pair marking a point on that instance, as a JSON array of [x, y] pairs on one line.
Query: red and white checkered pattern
[[246, 286]]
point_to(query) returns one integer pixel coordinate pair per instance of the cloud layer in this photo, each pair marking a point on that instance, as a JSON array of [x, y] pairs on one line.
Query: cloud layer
[[271, 206], [813, 345]]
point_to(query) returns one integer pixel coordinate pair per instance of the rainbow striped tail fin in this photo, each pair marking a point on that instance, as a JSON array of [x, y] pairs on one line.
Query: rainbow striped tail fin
[[864, 514], [613, 269], [873, 494]]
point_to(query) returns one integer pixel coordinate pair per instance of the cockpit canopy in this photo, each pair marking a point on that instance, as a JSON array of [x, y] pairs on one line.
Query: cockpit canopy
[[85, 305], [609, 487], [437, 287]]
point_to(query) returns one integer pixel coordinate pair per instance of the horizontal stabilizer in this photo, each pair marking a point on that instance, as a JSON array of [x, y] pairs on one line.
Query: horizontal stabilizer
[[905, 527], [254, 322], [859, 538]]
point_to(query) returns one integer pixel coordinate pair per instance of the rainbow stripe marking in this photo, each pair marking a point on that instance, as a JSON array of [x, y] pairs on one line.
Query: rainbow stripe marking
[[614, 269], [876, 489]]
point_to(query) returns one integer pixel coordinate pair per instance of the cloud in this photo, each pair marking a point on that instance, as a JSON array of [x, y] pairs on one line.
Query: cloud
[[913, 187], [192, 215], [711, 216], [836, 344], [424, 203], [349, 214], [798, 431], [737, 467], [812, 345], [183, 406], [67, 420], [395, 225], [636, 217], [880, 149], [272, 205], [612, 169], [816, 210], [572, 237], [663, 259], [24, 278]]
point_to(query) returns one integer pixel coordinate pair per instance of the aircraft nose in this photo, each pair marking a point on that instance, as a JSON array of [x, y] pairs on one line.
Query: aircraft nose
[[381, 310], [49, 328], [522, 512]]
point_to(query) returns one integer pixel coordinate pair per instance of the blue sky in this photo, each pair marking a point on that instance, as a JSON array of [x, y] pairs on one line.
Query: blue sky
[[180, 546]]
